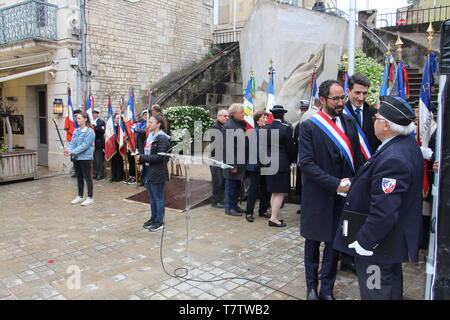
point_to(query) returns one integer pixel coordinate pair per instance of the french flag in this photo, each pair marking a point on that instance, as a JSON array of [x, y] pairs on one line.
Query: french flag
[[425, 113], [90, 107], [70, 124], [314, 91], [270, 95], [129, 122], [110, 137], [121, 131], [248, 104]]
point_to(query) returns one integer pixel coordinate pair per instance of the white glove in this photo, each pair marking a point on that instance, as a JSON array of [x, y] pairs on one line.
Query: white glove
[[426, 153], [360, 250], [344, 184]]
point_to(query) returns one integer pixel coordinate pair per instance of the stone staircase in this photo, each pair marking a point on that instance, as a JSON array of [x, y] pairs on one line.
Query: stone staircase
[[214, 83], [415, 83]]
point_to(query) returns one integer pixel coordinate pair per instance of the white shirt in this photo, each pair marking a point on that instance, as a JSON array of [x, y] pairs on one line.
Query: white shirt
[[338, 122], [362, 110]]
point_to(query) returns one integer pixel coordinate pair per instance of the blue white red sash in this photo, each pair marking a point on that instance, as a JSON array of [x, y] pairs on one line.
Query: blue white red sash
[[336, 135], [363, 142]]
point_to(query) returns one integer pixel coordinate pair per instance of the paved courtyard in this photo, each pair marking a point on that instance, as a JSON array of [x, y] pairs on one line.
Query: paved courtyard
[[45, 241]]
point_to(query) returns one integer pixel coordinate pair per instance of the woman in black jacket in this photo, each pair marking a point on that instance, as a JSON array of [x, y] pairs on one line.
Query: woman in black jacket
[[155, 172]]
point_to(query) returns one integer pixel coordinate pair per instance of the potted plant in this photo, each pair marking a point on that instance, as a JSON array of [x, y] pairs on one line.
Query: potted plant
[[5, 111], [15, 164]]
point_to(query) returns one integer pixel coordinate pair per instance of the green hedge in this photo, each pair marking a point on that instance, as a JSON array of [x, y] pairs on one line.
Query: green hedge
[[372, 70], [182, 118]]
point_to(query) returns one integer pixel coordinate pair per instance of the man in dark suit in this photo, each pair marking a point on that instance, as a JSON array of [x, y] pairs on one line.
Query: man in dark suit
[[358, 88], [326, 167], [99, 153], [235, 146], [359, 109], [388, 190], [218, 183]]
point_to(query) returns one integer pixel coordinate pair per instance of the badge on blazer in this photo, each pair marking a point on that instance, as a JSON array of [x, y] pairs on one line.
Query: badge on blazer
[[388, 185]]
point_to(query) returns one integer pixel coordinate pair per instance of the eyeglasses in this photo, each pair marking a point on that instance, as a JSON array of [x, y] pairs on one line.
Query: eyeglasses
[[224, 115], [337, 98], [374, 118]]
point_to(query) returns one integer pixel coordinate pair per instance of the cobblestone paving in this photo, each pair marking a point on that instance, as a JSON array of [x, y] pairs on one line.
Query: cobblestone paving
[[44, 241]]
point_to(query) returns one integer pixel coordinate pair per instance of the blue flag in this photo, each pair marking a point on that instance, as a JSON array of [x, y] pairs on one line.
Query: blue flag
[[345, 83], [400, 86], [385, 80]]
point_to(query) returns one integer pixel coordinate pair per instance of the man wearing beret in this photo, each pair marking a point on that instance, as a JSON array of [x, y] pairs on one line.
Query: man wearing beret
[[387, 192]]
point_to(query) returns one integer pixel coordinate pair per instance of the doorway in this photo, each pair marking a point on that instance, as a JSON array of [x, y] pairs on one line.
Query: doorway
[[42, 134]]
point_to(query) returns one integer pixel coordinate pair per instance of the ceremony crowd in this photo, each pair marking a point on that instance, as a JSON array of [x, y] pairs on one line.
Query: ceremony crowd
[[359, 179]]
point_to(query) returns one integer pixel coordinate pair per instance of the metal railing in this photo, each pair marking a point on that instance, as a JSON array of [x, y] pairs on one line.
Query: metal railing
[[413, 17], [227, 35], [28, 20]]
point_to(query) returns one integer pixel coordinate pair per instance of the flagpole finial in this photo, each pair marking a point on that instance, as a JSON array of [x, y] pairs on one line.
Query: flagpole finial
[[389, 47], [399, 45], [251, 71], [345, 61], [430, 32], [271, 62]]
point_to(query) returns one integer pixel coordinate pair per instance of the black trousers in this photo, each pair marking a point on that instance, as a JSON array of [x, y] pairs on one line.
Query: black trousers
[[83, 170], [257, 189], [379, 281], [99, 163], [117, 173], [218, 185], [329, 266], [131, 165]]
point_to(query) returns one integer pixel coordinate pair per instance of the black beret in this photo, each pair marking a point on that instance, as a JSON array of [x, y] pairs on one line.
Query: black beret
[[77, 111], [397, 110]]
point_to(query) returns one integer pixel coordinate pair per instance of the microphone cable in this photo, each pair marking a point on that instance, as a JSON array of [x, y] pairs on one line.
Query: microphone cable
[[182, 272]]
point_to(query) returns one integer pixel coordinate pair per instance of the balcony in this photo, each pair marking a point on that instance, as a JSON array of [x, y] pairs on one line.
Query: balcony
[[31, 19]]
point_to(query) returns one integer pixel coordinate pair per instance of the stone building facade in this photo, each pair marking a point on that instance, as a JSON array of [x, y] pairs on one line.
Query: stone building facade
[[101, 45]]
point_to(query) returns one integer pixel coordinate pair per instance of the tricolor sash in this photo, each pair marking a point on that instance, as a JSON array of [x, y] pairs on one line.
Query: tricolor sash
[[365, 147], [336, 135]]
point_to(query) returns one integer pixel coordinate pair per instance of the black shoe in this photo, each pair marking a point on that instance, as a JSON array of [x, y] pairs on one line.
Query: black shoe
[[249, 217], [298, 211], [326, 297], [273, 224], [233, 212], [240, 210], [156, 226], [265, 215], [220, 205], [148, 223], [311, 294], [74, 175]]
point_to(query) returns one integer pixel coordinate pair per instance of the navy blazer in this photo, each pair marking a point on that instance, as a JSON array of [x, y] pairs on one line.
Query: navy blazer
[[285, 144], [399, 211], [323, 167], [367, 127]]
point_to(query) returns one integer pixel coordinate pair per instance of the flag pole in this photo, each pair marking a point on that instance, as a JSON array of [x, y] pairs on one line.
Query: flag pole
[[351, 38]]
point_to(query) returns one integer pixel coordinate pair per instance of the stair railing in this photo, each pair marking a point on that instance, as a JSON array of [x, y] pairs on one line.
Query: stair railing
[[181, 82]]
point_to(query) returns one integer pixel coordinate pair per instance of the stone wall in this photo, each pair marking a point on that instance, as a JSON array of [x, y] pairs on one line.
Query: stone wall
[[131, 44]]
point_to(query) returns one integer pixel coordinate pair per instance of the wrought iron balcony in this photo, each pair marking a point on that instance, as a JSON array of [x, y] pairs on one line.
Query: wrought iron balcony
[[31, 19]]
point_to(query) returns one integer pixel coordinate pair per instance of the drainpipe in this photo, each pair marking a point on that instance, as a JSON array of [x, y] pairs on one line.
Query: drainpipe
[[83, 65]]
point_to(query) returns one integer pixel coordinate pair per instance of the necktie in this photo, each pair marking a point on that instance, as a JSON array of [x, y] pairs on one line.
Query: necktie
[[359, 116]]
